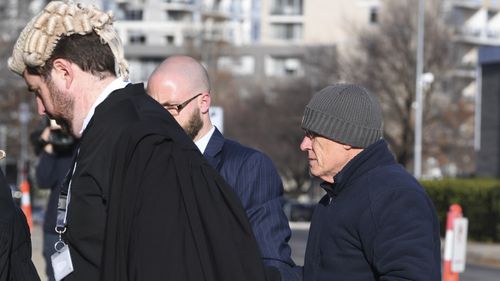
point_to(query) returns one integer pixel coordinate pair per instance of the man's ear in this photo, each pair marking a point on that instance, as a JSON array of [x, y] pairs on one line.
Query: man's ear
[[63, 69], [205, 102]]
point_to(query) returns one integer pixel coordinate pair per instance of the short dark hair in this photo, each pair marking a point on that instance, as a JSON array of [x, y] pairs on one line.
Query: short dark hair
[[87, 51]]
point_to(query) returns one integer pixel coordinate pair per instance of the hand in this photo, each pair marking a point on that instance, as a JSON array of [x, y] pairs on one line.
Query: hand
[[44, 137]]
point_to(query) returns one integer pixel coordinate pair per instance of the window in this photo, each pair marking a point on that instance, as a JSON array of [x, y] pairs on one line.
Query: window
[[244, 65], [374, 15], [284, 67], [137, 39], [170, 39], [133, 15], [178, 16], [287, 7], [287, 31]]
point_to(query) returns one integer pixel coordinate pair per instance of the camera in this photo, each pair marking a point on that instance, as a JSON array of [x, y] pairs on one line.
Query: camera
[[62, 142]]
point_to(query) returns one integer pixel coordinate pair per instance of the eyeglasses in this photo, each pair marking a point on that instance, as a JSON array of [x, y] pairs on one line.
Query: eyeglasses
[[176, 108]]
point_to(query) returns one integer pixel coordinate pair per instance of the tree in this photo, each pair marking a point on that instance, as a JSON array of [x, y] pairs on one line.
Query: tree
[[13, 94], [384, 61], [271, 123], [269, 117]]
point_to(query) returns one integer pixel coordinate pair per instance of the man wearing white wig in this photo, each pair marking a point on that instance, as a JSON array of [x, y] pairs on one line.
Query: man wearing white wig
[[140, 202]]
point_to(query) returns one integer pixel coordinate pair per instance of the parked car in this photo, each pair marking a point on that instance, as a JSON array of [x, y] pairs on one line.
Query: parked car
[[297, 211]]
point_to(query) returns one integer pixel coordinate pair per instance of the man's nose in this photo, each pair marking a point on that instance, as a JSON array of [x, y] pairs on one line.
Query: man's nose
[[305, 144], [40, 106]]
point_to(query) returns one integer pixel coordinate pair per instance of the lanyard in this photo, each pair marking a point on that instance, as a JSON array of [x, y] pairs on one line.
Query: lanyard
[[63, 203]]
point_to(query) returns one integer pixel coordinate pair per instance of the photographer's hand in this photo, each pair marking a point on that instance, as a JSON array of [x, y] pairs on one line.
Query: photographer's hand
[[44, 137]]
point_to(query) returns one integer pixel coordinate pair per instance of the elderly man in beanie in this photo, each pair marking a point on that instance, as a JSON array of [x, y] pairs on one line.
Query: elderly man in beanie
[[140, 202], [375, 222]]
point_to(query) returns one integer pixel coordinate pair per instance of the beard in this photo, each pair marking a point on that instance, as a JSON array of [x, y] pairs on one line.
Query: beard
[[194, 125], [63, 107]]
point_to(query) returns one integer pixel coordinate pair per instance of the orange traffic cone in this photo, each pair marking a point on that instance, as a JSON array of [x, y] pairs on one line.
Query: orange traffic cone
[[454, 213], [26, 202]]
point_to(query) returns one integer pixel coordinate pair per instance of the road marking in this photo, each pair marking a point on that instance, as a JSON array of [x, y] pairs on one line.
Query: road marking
[[296, 225]]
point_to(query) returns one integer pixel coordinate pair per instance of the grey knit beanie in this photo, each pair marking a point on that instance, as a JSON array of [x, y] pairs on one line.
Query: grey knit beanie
[[345, 113]]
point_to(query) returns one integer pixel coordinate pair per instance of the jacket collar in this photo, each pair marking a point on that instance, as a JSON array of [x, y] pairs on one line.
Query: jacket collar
[[213, 151], [109, 102], [374, 155]]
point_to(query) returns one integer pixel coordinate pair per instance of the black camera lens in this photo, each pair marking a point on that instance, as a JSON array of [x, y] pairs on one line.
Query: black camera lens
[[60, 140]]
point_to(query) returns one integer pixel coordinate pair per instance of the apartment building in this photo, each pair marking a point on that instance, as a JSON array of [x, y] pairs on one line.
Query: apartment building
[[249, 38], [308, 24], [154, 29], [477, 33], [476, 23], [286, 29]]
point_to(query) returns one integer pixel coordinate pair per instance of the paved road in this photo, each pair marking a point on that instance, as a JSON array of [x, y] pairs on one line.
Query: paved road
[[298, 244], [472, 272]]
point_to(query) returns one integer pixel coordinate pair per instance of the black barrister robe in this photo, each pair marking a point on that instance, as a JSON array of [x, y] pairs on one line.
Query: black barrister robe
[[15, 242], [146, 206]]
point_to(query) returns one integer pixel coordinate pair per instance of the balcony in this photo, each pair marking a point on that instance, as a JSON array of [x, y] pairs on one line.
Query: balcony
[[155, 33], [287, 10], [191, 2], [491, 5], [216, 12], [287, 32], [218, 32], [468, 4], [480, 36], [179, 5], [283, 19]]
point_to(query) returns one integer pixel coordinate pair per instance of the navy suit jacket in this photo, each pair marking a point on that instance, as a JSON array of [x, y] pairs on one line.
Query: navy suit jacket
[[255, 180]]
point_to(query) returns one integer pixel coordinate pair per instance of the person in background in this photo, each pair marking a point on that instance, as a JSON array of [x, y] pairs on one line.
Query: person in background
[[181, 85], [56, 150], [15, 239], [141, 203], [375, 222]]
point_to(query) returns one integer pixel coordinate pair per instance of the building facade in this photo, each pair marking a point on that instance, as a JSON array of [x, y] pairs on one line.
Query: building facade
[[252, 38], [477, 35]]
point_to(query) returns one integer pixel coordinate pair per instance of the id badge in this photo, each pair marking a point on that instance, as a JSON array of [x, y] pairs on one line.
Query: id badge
[[61, 263]]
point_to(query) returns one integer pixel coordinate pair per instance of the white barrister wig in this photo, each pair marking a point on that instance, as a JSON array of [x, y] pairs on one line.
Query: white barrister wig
[[40, 36]]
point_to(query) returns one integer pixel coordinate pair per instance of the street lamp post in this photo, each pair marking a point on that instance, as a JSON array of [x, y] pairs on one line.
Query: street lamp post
[[24, 118], [418, 92]]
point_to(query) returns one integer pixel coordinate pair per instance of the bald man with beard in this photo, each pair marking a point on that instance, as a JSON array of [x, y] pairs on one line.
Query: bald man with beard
[[182, 86]]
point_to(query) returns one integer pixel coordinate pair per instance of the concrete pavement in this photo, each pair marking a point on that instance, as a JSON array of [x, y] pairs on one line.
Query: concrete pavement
[[37, 247]]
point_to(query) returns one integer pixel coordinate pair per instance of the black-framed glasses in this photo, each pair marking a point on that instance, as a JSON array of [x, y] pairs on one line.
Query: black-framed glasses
[[178, 107]]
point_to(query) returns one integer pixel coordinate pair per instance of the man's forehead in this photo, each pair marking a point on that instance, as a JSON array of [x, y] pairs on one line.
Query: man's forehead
[[31, 80], [172, 91]]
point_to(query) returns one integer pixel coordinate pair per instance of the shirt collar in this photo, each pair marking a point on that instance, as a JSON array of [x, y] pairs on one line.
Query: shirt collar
[[118, 83], [203, 141]]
